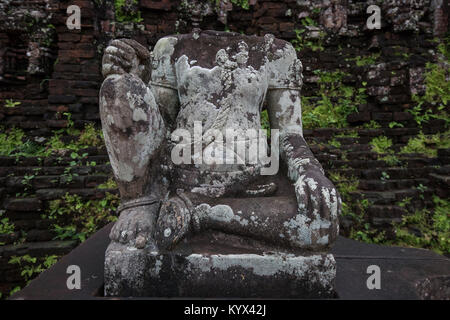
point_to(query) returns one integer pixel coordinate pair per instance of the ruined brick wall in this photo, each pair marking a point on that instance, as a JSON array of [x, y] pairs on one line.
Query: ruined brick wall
[[52, 70], [70, 77]]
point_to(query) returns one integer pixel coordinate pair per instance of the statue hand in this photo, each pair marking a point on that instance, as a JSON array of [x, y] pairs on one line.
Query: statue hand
[[126, 56], [317, 196]]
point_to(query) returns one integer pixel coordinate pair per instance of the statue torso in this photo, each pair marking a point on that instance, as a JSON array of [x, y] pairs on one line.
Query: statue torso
[[222, 79]]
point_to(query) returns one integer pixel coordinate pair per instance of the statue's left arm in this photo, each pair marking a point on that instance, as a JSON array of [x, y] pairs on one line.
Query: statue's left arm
[[317, 198]]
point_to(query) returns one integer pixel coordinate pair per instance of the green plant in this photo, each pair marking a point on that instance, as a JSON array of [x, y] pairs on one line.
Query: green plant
[[367, 234], [437, 95], [427, 144], [265, 124], [241, 3], [123, 14], [10, 103], [404, 202], [371, 125], [419, 115], [302, 41], [381, 145], [394, 124], [77, 219], [345, 185], [333, 103], [91, 137], [14, 142], [365, 60], [426, 228], [355, 209], [6, 227], [16, 289], [421, 188], [26, 181], [391, 159], [110, 184], [348, 134], [30, 267], [335, 143], [10, 140], [70, 125]]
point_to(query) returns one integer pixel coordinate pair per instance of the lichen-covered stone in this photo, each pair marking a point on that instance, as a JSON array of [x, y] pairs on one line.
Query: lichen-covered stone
[[137, 273]]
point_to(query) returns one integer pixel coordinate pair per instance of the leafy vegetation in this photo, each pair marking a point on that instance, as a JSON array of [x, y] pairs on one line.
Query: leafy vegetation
[[10, 103], [361, 61], [241, 3], [356, 210], [76, 219], [14, 142], [372, 124], [381, 144], [302, 41], [427, 144], [110, 184], [333, 103], [426, 228], [124, 14], [6, 227], [433, 104], [265, 124], [30, 267]]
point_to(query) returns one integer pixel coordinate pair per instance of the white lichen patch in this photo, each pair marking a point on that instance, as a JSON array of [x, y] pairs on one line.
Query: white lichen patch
[[139, 115], [298, 230], [302, 267]]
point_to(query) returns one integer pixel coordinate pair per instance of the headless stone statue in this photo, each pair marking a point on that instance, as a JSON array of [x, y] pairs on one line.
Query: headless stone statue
[[219, 81]]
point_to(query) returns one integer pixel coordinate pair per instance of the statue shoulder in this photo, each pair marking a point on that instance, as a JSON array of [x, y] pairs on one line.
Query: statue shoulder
[[285, 69], [163, 71]]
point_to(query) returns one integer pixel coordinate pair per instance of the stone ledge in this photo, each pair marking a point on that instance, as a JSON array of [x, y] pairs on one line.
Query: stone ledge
[[140, 273], [405, 272]]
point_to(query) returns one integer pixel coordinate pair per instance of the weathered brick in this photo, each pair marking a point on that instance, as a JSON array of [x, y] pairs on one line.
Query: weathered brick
[[27, 204]]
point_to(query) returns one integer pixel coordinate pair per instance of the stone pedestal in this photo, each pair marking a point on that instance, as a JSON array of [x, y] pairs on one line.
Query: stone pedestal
[[224, 271]]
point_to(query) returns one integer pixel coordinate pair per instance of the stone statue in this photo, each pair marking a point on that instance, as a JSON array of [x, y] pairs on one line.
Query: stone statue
[[218, 218]]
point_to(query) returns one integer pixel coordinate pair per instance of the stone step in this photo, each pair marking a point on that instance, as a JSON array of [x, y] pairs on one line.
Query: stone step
[[38, 249], [24, 204], [441, 179], [378, 185], [386, 213], [391, 196], [396, 173]]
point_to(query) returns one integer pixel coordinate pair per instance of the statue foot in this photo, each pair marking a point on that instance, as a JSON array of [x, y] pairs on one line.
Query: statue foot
[[174, 223], [136, 226]]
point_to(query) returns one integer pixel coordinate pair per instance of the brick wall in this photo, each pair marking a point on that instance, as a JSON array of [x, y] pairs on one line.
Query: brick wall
[[57, 71]]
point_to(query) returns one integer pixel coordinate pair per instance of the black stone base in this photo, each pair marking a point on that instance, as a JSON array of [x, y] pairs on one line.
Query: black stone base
[[405, 273], [140, 273]]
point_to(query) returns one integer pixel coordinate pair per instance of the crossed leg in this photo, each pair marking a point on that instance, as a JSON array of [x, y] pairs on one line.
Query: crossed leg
[[274, 220]]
